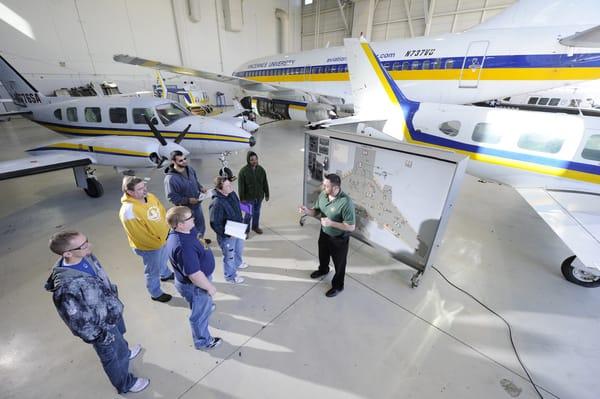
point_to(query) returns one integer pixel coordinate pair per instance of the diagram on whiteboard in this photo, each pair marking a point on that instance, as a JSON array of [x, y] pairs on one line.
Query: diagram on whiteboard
[[399, 196]]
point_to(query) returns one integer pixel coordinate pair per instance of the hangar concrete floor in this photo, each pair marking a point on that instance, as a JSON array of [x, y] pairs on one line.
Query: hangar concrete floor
[[283, 337]]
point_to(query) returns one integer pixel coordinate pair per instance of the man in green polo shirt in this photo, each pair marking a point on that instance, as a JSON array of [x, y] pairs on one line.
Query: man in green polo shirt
[[338, 220]]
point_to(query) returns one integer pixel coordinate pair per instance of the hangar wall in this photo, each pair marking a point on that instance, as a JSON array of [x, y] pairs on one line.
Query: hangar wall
[[54, 43], [323, 23]]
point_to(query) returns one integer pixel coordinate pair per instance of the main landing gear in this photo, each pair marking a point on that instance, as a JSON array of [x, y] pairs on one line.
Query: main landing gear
[[578, 275], [85, 178]]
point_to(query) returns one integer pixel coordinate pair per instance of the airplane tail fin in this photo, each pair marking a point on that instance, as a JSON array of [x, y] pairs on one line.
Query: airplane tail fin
[[375, 95], [22, 92], [161, 82]]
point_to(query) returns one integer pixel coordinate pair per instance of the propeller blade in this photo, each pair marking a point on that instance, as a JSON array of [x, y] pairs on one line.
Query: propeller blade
[[181, 136], [154, 131]]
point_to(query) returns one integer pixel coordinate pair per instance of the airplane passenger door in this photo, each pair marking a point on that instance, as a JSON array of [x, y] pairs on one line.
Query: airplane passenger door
[[473, 64]]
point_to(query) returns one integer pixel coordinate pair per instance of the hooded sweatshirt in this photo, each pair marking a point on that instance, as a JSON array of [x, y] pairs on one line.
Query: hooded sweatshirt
[[252, 182], [88, 304], [180, 188], [144, 222], [222, 209]]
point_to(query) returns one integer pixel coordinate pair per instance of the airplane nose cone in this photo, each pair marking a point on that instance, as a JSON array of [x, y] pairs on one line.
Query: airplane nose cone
[[252, 141]]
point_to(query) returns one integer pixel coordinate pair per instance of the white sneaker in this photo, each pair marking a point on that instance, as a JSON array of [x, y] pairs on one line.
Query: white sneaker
[[134, 351], [213, 307], [243, 266], [236, 280], [140, 385]]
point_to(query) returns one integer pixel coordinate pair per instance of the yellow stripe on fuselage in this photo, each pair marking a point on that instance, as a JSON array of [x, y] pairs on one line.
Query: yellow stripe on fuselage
[[87, 148], [111, 132], [490, 74], [298, 107], [511, 163]]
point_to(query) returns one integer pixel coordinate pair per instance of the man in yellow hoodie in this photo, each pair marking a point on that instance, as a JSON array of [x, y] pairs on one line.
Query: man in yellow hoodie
[[144, 220]]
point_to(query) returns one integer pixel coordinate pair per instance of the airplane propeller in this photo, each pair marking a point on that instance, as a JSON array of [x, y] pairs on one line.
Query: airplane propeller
[[181, 135], [165, 149]]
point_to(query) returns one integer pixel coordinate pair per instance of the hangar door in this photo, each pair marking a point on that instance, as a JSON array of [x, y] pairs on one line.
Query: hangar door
[[473, 64]]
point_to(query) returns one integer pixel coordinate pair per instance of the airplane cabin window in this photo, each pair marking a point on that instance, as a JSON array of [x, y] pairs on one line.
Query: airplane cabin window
[[486, 133], [171, 112], [334, 69], [92, 114], [396, 66], [533, 100], [540, 142], [450, 128], [437, 63], [543, 101], [117, 115], [425, 64], [591, 150], [415, 65], [554, 102], [72, 114], [58, 114], [449, 64], [138, 115], [405, 66]]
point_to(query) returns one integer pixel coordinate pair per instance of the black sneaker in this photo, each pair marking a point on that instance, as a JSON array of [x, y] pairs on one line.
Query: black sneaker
[[318, 273], [333, 292], [216, 341], [169, 277], [162, 298]]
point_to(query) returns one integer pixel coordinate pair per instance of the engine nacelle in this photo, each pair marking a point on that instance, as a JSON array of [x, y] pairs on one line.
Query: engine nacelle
[[279, 109], [317, 112]]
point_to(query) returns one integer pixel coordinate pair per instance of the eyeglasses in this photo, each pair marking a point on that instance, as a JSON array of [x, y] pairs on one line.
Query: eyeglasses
[[85, 244]]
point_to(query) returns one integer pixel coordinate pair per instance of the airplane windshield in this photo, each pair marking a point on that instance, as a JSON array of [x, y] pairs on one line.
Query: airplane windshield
[[171, 112]]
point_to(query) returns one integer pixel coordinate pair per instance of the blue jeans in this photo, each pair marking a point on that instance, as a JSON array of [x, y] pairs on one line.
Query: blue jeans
[[198, 219], [114, 357], [201, 305], [155, 266], [232, 255], [255, 214]]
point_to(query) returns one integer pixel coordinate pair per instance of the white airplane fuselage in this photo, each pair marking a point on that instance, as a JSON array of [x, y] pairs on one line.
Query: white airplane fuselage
[[78, 117], [455, 68]]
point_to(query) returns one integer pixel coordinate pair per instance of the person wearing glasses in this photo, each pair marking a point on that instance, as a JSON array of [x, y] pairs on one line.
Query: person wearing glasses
[[89, 305], [182, 188], [143, 218], [338, 219], [193, 265]]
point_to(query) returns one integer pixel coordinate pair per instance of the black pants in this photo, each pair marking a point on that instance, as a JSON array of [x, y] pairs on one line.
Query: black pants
[[335, 248]]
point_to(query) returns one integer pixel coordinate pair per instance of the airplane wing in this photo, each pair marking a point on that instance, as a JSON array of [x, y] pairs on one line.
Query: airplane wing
[[245, 84], [233, 80], [587, 38], [34, 165], [573, 216]]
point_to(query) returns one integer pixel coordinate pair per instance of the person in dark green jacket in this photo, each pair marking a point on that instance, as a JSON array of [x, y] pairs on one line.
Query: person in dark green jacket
[[252, 188]]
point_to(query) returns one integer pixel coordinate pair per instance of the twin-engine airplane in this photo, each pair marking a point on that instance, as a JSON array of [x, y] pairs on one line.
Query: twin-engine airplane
[[124, 132], [533, 45], [552, 160]]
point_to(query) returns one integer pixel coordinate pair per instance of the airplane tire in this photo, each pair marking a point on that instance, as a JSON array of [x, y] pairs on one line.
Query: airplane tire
[[95, 189], [577, 276]]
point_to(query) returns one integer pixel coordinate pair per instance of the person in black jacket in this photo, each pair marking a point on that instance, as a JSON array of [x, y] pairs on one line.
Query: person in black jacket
[[88, 303], [182, 188], [253, 187], [226, 206]]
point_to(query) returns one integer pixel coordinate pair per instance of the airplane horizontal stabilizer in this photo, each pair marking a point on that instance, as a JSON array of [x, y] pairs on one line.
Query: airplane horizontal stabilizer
[[574, 217], [587, 38], [41, 164], [14, 113]]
